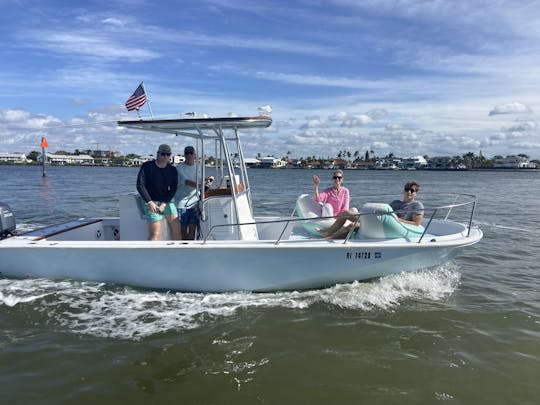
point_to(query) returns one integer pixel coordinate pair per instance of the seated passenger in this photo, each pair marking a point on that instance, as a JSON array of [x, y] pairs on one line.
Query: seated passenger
[[337, 196], [334, 200], [408, 212]]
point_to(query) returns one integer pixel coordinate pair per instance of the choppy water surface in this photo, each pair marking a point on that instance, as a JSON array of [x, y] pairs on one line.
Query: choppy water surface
[[463, 332]]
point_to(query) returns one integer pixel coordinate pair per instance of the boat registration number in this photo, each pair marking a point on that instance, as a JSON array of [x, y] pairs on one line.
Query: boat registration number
[[358, 255], [362, 255]]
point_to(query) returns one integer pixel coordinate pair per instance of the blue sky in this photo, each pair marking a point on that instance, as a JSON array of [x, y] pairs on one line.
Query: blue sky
[[408, 77]]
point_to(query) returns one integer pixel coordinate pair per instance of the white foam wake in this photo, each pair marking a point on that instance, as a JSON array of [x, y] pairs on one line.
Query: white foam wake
[[528, 231], [122, 312], [13, 292]]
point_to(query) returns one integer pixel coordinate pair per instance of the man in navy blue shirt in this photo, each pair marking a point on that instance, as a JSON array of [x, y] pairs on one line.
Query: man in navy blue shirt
[[156, 183]]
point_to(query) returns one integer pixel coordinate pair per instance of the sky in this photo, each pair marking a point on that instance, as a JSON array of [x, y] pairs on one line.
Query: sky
[[408, 77]]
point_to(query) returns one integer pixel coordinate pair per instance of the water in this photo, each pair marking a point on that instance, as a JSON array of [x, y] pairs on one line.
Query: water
[[467, 331]]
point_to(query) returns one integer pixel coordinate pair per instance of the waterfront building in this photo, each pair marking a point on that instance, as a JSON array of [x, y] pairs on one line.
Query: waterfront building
[[514, 162], [138, 161], [273, 162], [252, 162], [340, 164], [175, 159], [66, 159], [101, 154], [388, 163], [19, 158], [440, 162], [314, 164], [414, 162]]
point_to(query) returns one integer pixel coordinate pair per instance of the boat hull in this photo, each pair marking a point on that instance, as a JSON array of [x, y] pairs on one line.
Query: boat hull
[[220, 267]]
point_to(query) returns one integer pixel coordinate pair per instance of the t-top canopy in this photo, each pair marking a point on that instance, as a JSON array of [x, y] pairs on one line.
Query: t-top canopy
[[174, 126]]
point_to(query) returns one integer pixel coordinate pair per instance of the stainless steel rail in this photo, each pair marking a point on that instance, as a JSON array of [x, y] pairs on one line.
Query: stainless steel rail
[[433, 210]]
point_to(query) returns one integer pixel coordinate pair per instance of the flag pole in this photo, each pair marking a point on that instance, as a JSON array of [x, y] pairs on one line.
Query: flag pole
[[147, 100]]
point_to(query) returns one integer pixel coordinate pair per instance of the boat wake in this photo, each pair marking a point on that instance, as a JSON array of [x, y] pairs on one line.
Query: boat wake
[[101, 310], [530, 231]]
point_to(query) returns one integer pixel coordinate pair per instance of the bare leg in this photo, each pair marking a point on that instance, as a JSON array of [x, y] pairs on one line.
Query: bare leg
[[174, 226], [154, 230], [338, 224], [338, 230], [342, 232]]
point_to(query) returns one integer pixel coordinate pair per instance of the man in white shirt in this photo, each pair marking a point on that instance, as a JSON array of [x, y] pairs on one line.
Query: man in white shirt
[[186, 194]]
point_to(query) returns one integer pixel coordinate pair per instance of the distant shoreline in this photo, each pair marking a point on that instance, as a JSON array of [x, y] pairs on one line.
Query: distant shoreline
[[490, 169]]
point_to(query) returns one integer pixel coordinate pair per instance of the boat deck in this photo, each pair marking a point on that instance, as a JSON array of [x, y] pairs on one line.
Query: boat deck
[[57, 229]]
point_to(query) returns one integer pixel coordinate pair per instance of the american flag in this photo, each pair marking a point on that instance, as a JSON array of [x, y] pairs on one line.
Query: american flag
[[137, 99]]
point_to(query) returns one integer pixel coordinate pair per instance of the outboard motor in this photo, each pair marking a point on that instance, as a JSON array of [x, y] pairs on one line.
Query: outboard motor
[[7, 221]]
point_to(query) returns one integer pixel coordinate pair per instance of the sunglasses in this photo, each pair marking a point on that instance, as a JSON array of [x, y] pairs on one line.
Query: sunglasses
[[337, 177], [412, 190], [165, 154]]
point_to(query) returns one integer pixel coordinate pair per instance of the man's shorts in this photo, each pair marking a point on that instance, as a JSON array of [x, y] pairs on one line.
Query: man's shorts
[[170, 209], [189, 216]]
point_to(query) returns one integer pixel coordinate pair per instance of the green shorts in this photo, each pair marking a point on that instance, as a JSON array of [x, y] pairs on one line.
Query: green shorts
[[170, 209]]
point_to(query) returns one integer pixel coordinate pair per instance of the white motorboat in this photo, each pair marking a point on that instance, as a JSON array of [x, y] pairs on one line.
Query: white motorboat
[[234, 250]]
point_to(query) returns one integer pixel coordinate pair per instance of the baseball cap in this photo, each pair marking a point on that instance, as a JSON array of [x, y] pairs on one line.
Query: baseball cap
[[189, 150], [164, 148]]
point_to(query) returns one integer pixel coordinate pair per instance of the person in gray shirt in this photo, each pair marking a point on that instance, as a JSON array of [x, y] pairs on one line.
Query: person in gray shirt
[[409, 210]]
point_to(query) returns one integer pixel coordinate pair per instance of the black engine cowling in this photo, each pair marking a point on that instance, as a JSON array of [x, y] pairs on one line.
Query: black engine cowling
[[7, 221]]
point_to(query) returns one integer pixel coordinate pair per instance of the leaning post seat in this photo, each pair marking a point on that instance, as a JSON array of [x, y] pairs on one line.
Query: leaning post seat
[[133, 224]]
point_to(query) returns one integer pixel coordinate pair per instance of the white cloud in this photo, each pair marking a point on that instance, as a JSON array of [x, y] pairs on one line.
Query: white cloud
[[16, 119], [114, 21], [377, 113], [86, 43], [422, 85], [340, 116], [312, 123], [393, 127], [357, 120], [523, 126], [510, 108]]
